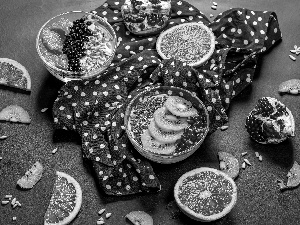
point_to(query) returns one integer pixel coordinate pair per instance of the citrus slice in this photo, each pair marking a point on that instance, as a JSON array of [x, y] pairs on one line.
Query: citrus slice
[[15, 113], [13, 74], [32, 176], [180, 107], [139, 218], [65, 201], [193, 43], [229, 164], [205, 194], [293, 176]]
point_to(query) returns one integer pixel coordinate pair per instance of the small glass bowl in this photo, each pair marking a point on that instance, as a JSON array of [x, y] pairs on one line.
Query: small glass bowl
[[64, 74], [175, 91]]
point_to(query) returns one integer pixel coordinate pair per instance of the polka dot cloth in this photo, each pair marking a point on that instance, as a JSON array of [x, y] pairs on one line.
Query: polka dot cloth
[[96, 108]]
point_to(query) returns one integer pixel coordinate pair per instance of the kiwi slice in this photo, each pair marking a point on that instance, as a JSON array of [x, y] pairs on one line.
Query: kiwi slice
[[168, 122], [180, 107], [150, 144], [164, 137]]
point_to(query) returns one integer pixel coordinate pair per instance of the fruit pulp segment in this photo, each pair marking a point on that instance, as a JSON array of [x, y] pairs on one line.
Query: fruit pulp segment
[[206, 193], [9, 74], [62, 202]]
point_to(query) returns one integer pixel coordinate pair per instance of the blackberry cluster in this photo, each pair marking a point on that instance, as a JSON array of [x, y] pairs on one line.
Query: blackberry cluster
[[74, 44]]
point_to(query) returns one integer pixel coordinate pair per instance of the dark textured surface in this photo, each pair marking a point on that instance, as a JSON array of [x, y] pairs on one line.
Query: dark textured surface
[[259, 200]]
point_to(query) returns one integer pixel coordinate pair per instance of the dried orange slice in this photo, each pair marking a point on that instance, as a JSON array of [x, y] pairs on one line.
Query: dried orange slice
[[13, 74], [32, 176], [205, 194], [139, 218], [229, 164], [15, 113], [293, 176], [193, 43], [65, 201]]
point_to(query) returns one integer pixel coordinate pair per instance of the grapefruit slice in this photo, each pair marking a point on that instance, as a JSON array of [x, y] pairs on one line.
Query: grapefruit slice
[[229, 164], [139, 218], [193, 43], [205, 194], [293, 176], [15, 113], [65, 201], [31, 177], [13, 74], [180, 107]]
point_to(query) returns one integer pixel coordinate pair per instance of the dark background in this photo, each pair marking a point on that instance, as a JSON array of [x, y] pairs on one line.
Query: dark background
[[259, 199]]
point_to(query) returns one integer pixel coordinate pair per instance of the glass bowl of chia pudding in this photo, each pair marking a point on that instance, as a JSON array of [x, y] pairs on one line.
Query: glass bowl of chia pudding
[[166, 124], [76, 45]]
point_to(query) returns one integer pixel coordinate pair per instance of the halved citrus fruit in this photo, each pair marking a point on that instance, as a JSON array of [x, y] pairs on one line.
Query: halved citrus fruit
[[15, 114], [65, 201], [205, 194], [193, 43], [13, 74]]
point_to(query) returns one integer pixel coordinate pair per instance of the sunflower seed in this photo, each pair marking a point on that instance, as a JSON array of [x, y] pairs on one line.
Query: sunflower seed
[[14, 218], [44, 109], [257, 154], [292, 58], [99, 222], [214, 7], [247, 161], [214, 3], [211, 15], [18, 203], [107, 215], [101, 211], [15, 205], [13, 201], [222, 128], [260, 158], [54, 151], [1, 157], [8, 196], [243, 165], [244, 153], [3, 137], [4, 202]]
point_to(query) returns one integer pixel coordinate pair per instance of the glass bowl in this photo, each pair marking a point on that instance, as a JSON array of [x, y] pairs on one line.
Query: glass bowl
[[56, 61], [181, 153]]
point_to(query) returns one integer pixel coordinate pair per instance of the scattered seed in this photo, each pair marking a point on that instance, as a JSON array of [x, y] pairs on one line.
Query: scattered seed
[[257, 154], [8, 196], [44, 109], [211, 15], [244, 153], [214, 7], [99, 222], [18, 203], [101, 211], [247, 161], [292, 58], [243, 165], [224, 128], [260, 158], [1, 157], [107, 215], [214, 3], [4, 202], [15, 205], [101, 219], [14, 218], [3, 137], [293, 51], [281, 184], [54, 151], [13, 201]]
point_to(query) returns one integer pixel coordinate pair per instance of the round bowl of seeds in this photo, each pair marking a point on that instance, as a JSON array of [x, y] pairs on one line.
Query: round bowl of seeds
[[193, 43], [166, 124], [76, 45]]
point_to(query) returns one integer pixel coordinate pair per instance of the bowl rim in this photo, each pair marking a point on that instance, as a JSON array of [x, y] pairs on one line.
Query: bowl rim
[[160, 157], [200, 24], [70, 74]]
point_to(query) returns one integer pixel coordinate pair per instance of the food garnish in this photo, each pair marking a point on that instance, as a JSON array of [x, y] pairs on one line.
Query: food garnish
[[13, 74], [229, 164], [65, 201], [205, 194], [14, 113], [270, 122], [294, 176], [139, 218], [31, 177], [291, 86]]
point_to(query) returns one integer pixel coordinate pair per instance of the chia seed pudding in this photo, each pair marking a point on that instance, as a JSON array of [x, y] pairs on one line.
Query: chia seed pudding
[[142, 113], [78, 47]]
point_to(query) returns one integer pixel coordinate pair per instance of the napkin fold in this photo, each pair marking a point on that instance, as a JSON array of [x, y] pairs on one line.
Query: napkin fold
[[95, 108]]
